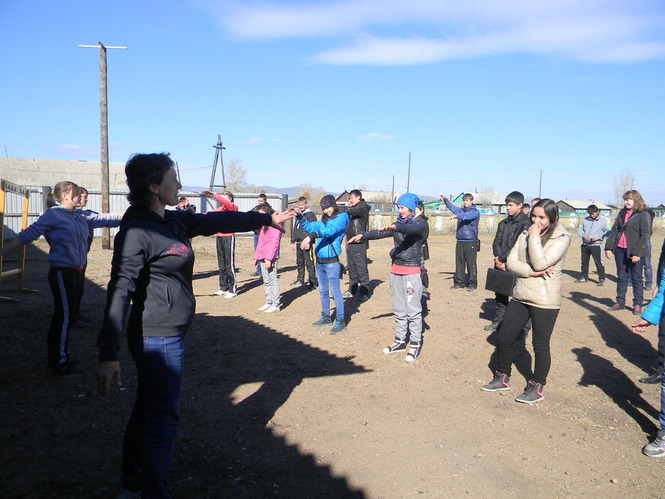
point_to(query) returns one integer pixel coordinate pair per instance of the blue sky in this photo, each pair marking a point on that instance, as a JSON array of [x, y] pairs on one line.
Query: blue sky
[[337, 93]]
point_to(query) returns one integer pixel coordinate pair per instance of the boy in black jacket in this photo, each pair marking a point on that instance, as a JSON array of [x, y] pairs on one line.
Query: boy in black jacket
[[507, 233]]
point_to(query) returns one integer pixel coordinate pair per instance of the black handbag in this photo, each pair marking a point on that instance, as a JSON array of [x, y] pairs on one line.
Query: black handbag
[[500, 282]]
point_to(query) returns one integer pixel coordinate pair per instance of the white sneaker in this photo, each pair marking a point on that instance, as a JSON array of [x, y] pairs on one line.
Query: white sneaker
[[271, 309], [265, 307], [219, 292], [230, 295]]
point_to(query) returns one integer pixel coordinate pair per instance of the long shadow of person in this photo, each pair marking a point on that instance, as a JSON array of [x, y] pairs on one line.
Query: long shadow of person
[[631, 346], [242, 373], [624, 393]]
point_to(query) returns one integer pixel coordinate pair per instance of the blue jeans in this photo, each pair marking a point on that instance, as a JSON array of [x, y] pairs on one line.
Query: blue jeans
[[328, 275], [648, 270], [153, 424], [629, 271]]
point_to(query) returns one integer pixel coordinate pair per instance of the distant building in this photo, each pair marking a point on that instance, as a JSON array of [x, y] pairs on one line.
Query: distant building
[[48, 172], [579, 207], [379, 200]]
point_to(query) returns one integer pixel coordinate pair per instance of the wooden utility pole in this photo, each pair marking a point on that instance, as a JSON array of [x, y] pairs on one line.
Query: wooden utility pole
[[104, 136]]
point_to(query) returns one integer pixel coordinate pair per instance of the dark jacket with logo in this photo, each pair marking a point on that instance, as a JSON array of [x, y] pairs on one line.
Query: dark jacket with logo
[[408, 237], [298, 234], [152, 269]]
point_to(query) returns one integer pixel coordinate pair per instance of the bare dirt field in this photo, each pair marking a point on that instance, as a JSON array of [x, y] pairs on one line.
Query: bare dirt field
[[272, 407]]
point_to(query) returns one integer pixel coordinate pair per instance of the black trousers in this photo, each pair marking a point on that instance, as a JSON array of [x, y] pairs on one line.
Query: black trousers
[[356, 263], [226, 246], [64, 284], [466, 254], [595, 252], [304, 260], [543, 320]]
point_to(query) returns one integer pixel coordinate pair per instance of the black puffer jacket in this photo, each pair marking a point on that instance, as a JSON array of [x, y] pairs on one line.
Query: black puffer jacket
[[358, 218], [408, 237], [507, 232]]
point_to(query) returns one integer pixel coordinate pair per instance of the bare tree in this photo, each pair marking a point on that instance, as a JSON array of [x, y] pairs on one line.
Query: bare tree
[[485, 196], [236, 175], [623, 182], [311, 192]]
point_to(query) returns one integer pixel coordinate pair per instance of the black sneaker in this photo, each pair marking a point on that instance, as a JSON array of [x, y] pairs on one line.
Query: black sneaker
[[615, 307], [397, 346], [655, 378], [66, 369], [338, 326], [414, 352], [324, 320], [499, 382], [532, 393], [601, 282]]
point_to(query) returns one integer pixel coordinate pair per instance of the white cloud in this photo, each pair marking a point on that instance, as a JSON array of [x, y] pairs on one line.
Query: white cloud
[[394, 32], [376, 136], [253, 140]]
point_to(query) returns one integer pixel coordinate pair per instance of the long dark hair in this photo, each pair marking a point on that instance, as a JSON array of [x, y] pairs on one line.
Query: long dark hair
[[552, 213], [144, 170]]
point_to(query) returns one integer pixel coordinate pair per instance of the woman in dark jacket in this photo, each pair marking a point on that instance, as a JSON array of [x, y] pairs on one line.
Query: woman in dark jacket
[[152, 271], [628, 242]]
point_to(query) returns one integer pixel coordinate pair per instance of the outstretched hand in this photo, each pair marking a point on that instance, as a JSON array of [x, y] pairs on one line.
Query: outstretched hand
[[207, 192], [354, 239], [280, 217]]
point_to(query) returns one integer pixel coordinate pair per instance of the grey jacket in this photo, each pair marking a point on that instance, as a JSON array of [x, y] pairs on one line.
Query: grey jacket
[[528, 255], [595, 229]]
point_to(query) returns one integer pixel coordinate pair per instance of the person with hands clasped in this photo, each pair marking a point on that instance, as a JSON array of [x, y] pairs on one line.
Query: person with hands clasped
[[653, 314], [537, 260], [409, 233], [628, 242], [150, 296]]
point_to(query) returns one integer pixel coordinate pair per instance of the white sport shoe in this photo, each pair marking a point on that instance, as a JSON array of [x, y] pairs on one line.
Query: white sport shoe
[[271, 309], [230, 295], [265, 307], [219, 292]]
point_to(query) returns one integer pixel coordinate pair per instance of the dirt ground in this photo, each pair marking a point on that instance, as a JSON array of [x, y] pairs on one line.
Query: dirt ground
[[272, 407]]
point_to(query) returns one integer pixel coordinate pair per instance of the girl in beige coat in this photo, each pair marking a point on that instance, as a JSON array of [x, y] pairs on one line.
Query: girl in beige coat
[[537, 260]]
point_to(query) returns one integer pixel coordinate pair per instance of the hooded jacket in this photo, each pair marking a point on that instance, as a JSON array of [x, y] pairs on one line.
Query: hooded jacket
[[152, 269], [408, 237], [298, 234], [330, 232], [528, 255]]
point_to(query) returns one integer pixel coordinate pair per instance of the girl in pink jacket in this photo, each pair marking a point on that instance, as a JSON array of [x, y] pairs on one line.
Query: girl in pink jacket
[[266, 256]]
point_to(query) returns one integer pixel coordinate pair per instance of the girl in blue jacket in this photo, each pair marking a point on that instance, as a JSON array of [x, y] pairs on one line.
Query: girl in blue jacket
[[66, 229], [329, 232]]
